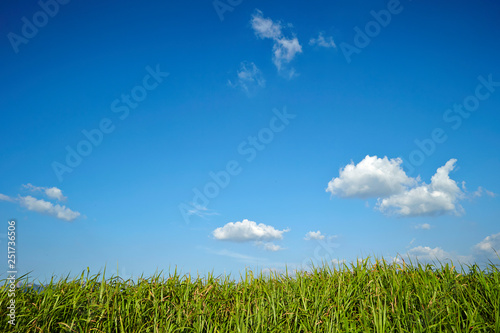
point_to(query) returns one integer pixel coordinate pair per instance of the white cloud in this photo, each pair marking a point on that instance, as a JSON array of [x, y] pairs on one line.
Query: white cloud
[[45, 207], [284, 51], [427, 253], [441, 196], [490, 244], [424, 226], [284, 48], [247, 231], [322, 41], [52, 192], [372, 177], [269, 246], [314, 235], [4, 197], [249, 78]]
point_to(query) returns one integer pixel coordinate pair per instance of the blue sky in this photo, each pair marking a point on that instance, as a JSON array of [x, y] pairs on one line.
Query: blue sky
[[215, 136]]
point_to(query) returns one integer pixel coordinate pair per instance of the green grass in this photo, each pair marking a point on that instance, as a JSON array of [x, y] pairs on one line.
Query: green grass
[[363, 297]]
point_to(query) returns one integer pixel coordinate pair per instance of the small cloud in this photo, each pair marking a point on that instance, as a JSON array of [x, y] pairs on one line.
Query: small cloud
[[481, 191], [48, 208], [265, 27], [284, 48], [247, 231], [322, 41], [269, 246], [338, 262], [52, 192], [4, 197], [249, 78], [490, 244], [200, 211], [423, 226], [314, 235]]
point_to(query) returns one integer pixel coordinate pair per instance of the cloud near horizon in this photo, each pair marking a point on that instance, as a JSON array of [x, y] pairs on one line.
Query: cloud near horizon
[[490, 244]]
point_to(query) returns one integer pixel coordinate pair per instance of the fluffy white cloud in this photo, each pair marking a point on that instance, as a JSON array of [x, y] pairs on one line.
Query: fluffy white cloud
[[249, 78], [247, 231], [439, 197], [322, 41], [397, 193], [424, 226], [51, 192], [490, 244], [45, 207], [284, 48], [372, 177], [314, 235]]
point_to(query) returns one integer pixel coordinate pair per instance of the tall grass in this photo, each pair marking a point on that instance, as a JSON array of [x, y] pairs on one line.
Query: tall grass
[[369, 296]]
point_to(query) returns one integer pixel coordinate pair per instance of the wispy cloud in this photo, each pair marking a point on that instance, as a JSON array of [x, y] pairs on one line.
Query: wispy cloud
[[269, 246], [284, 48], [424, 226], [4, 197], [236, 255], [481, 191], [48, 208], [51, 192], [200, 211], [246, 230], [249, 78], [322, 41]]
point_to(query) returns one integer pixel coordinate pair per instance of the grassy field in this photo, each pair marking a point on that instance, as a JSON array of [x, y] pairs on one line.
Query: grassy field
[[368, 296]]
